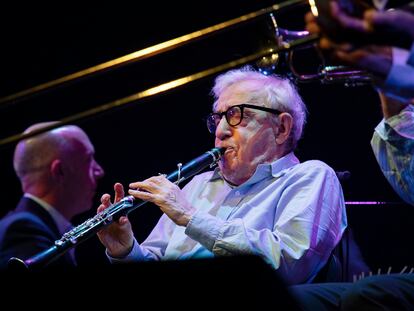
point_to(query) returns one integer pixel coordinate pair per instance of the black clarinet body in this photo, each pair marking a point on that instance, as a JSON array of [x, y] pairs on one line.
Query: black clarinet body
[[126, 205]]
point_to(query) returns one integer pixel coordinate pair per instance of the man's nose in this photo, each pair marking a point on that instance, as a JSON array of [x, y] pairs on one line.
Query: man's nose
[[223, 129]]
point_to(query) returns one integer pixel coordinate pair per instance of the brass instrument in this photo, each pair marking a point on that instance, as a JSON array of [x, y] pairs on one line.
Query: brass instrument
[[91, 226], [290, 41], [152, 50], [284, 43]]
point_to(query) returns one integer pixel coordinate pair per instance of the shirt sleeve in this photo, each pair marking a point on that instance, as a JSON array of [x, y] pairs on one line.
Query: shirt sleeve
[[400, 80], [153, 248], [309, 222], [393, 146], [155, 245]]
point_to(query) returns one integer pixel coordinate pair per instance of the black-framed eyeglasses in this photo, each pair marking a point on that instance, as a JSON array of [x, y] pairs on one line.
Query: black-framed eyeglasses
[[234, 115]]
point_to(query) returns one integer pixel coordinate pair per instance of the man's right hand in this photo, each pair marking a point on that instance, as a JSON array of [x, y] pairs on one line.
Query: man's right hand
[[392, 27], [118, 237], [397, 25], [373, 58]]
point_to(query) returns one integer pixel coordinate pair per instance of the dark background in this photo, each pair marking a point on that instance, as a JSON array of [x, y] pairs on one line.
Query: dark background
[[40, 43]]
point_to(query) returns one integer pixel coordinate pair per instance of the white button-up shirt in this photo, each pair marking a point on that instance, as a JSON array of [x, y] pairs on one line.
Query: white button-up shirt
[[291, 214]]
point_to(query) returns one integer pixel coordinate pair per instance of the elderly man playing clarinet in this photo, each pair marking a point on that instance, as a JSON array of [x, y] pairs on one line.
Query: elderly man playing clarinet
[[259, 200]]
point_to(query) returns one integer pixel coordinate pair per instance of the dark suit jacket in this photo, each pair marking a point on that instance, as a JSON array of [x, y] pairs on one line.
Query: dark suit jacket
[[28, 230]]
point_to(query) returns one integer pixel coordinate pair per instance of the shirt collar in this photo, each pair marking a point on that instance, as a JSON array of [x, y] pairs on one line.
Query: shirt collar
[[275, 169], [62, 223]]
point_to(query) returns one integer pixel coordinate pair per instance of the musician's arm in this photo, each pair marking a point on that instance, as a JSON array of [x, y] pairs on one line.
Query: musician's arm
[[393, 146]]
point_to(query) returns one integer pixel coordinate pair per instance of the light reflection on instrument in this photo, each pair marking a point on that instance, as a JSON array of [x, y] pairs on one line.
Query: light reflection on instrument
[[281, 48]]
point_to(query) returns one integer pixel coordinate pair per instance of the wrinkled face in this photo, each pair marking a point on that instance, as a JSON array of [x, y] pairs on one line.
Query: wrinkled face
[[250, 143], [82, 172]]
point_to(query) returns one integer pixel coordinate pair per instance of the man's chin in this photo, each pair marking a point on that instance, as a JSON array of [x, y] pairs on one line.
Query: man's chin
[[228, 173]]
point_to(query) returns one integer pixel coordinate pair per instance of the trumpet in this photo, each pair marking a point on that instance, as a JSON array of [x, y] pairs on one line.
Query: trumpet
[[126, 205]]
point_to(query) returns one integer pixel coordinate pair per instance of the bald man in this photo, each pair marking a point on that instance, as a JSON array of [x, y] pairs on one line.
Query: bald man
[[58, 175]]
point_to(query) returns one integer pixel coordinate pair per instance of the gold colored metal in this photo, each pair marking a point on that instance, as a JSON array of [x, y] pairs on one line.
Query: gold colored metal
[[159, 89], [149, 51], [313, 8]]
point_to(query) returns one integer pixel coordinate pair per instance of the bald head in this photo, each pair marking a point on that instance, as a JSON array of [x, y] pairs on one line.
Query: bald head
[[33, 156], [59, 167]]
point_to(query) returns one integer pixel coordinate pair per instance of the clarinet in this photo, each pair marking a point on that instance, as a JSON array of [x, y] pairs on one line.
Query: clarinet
[[126, 205]]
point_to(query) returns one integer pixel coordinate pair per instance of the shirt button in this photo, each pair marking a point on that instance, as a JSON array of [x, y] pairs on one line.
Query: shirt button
[[237, 193]]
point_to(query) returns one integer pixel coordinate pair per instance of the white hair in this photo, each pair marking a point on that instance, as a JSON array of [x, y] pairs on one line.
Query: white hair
[[276, 92]]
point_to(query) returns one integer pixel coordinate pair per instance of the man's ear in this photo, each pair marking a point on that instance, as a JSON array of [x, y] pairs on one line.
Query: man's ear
[[56, 169], [285, 127]]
